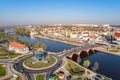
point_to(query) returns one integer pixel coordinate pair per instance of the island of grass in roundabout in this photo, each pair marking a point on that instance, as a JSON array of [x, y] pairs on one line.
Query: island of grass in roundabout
[[40, 61]]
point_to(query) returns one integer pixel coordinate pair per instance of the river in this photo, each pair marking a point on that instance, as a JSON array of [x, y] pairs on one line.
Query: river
[[109, 65], [52, 46]]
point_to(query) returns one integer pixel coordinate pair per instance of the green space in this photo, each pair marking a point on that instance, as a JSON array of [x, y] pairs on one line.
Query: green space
[[74, 69], [56, 77], [114, 50], [8, 78], [78, 79], [22, 31], [5, 54], [2, 70], [40, 77], [29, 61], [4, 37]]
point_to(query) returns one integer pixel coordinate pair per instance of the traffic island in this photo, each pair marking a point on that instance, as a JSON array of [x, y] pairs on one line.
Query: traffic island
[[31, 64]]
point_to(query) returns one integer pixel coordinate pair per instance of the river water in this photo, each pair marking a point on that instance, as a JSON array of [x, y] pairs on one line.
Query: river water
[[52, 46], [108, 65]]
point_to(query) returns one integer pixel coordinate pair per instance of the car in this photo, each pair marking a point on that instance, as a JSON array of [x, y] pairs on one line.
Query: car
[[22, 70]]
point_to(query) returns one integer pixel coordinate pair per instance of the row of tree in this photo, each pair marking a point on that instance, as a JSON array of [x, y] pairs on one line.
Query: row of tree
[[36, 46], [22, 31]]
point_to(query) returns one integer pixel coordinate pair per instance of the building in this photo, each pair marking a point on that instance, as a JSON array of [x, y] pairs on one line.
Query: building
[[18, 48], [42, 56], [91, 37], [117, 35], [61, 75]]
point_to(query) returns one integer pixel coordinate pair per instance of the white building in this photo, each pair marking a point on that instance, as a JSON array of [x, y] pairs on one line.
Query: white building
[[18, 48], [73, 35]]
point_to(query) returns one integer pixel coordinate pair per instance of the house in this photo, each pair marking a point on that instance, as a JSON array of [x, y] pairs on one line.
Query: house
[[91, 37], [18, 48], [117, 35], [99, 39], [73, 35], [61, 75]]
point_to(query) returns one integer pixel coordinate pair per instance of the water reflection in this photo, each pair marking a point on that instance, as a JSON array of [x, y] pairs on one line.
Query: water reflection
[[105, 64]]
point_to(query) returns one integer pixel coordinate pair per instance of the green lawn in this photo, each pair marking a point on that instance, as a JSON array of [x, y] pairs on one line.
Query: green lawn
[[39, 64], [115, 50], [40, 77], [2, 70], [4, 52], [74, 69], [10, 56], [56, 77]]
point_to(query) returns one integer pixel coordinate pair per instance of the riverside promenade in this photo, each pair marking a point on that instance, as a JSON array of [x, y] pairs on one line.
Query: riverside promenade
[[101, 49], [105, 50], [62, 41]]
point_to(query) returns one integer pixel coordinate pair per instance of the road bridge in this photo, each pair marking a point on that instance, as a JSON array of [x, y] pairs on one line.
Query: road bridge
[[82, 51]]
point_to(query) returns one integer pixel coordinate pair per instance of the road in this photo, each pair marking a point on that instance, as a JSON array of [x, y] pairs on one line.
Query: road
[[20, 68]]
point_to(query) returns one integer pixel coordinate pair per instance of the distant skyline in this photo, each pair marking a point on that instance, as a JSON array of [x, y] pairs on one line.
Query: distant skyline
[[25, 12]]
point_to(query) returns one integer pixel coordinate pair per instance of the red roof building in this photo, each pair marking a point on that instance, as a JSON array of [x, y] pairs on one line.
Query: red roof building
[[91, 36], [17, 47], [117, 34]]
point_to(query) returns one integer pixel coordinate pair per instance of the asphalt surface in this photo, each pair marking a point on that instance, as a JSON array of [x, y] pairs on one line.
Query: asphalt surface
[[20, 68]]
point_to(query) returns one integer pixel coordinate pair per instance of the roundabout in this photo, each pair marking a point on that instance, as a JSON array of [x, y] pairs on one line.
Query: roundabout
[[38, 65], [48, 70]]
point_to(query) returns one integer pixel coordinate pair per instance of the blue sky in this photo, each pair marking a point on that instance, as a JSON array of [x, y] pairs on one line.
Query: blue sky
[[19, 12]]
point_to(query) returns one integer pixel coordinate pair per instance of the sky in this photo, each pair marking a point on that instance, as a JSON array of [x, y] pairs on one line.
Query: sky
[[24, 12]]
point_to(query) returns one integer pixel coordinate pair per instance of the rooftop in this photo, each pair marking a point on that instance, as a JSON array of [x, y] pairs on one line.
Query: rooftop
[[17, 45], [117, 34]]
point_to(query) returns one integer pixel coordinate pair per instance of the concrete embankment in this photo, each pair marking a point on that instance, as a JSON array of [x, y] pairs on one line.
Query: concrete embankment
[[105, 50], [63, 41], [91, 74]]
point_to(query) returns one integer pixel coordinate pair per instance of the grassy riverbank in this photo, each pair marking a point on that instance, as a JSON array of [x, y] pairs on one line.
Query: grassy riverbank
[[74, 69], [109, 51], [74, 43]]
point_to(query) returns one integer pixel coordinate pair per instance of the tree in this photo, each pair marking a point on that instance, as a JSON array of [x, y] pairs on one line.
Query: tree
[[27, 44], [37, 45], [86, 63], [44, 46], [15, 38]]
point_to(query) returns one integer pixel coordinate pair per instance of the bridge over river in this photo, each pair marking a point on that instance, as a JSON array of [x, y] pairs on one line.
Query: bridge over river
[[79, 52]]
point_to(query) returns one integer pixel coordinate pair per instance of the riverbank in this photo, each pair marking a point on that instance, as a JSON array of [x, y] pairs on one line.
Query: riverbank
[[62, 41], [89, 73], [106, 50]]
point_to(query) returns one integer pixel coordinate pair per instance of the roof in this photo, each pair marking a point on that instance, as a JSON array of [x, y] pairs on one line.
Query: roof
[[117, 34], [17, 45], [61, 75], [91, 36], [41, 55]]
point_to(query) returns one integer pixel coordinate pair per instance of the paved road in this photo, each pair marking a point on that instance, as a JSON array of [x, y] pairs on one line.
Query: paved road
[[20, 68]]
